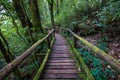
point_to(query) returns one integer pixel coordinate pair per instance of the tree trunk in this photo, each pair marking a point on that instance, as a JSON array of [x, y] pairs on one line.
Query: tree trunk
[[13, 21], [7, 54], [20, 11], [50, 3], [22, 15], [57, 6], [61, 1], [36, 20]]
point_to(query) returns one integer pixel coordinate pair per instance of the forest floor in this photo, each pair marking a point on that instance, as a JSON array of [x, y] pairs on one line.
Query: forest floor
[[113, 43]]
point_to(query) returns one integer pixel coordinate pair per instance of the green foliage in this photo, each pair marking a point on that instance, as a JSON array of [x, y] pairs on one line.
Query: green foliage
[[102, 46], [94, 63], [29, 67], [110, 13], [103, 43], [16, 44]]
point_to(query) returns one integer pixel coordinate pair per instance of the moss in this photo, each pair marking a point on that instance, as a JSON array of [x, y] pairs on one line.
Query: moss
[[43, 63], [112, 61], [89, 76], [42, 66]]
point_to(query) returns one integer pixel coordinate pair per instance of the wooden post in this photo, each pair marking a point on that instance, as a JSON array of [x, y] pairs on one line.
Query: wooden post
[[67, 33], [75, 40], [48, 42]]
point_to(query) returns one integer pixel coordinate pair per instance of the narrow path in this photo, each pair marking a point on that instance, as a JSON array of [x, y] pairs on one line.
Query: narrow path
[[60, 64]]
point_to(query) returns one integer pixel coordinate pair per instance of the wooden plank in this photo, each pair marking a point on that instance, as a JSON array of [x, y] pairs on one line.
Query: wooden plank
[[60, 48], [60, 54], [60, 76], [60, 58], [61, 67], [60, 64], [61, 71], [61, 79], [58, 61], [57, 46]]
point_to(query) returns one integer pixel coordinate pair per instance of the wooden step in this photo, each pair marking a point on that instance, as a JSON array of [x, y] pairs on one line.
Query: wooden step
[[60, 52], [60, 55], [60, 64], [60, 58], [61, 71], [59, 61], [61, 67], [60, 76], [61, 79]]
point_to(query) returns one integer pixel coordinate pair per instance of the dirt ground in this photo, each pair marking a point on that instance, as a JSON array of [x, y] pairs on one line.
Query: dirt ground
[[113, 44]]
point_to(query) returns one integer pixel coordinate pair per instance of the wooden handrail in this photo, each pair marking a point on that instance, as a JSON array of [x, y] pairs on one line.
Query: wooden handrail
[[82, 63], [12, 65], [38, 74], [106, 57]]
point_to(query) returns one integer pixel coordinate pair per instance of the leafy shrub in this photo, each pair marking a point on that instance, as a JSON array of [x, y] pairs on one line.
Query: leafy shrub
[[95, 65], [103, 43]]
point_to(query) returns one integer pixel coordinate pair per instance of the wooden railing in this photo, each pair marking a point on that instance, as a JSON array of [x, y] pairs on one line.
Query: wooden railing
[[100, 53], [16, 62]]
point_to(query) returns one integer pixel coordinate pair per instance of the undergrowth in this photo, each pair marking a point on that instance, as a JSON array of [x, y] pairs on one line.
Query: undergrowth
[[99, 69]]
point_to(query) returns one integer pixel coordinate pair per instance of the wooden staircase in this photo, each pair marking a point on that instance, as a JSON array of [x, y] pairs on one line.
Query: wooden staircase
[[60, 65]]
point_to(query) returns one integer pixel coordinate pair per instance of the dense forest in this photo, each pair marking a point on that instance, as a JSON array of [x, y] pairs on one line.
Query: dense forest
[[24, 22]]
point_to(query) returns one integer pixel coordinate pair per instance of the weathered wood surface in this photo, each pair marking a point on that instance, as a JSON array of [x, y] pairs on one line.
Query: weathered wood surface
[[60, 64]]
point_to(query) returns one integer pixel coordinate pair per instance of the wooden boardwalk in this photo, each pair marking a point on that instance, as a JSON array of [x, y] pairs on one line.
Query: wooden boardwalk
[[60, 65]]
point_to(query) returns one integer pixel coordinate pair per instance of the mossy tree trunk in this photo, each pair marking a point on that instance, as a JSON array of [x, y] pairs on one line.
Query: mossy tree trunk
[[22, 15], [20, 11], [57, 6], [13, 20], [61, 1], [36, 19], [7, 54], [51, 8]]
